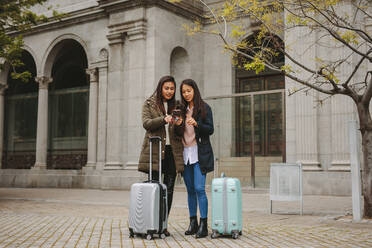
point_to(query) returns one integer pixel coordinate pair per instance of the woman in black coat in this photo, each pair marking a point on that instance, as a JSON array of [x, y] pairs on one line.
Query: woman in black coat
[[197, 154]]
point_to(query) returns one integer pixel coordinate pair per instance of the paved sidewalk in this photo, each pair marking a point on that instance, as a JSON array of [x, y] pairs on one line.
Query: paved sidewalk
[[96, 218]]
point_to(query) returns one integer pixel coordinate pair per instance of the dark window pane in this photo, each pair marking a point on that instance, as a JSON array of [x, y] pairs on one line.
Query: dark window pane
[[243, 127], [275, 82], [25, 118], [71, 112], [64, 103], [275, 124], [251, 85], [268, 123], [80, 114]]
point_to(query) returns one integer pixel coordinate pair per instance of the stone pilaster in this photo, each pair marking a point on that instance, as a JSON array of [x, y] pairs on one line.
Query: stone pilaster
[[307, 132], [102, 66], [302, 114], [128, 29], [3, 87], [93, 116], [42, 122], [114, 101]]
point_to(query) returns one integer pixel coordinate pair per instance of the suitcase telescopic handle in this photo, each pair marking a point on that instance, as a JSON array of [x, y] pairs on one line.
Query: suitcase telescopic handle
[[151, 139]]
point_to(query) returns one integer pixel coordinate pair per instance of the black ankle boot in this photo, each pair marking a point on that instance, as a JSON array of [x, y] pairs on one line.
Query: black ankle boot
[[166, 233], [193, 227], [203, 228]]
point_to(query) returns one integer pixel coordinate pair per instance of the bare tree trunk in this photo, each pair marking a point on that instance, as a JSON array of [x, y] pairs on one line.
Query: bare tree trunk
[[366, 130], [367, 172]]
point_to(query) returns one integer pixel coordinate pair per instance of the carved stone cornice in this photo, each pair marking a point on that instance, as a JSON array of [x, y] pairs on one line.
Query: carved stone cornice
[[93, 74], [187, 8], [78, 17], [133, 30], [116, 38], [43, 81], [190, 9]]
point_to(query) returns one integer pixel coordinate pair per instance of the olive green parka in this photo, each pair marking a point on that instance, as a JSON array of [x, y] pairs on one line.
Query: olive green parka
[[154, 124]]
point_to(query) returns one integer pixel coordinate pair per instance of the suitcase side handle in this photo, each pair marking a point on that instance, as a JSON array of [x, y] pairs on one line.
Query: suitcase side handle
[[151, 139]]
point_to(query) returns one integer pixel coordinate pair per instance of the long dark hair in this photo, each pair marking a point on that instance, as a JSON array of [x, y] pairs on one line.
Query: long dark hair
[[159, 94], [199, 104]]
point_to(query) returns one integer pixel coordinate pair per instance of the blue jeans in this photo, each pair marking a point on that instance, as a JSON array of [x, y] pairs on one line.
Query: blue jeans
[[195, 185]]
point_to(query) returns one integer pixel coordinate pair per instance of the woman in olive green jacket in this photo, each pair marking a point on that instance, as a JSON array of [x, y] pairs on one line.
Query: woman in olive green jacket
[[157, 120]]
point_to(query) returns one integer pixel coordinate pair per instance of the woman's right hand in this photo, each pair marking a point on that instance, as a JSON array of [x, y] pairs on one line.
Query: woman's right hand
[[168, 118], [179, 121]]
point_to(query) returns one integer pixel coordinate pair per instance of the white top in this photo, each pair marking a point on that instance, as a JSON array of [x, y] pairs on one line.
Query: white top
[[167, 140], [190, 155]]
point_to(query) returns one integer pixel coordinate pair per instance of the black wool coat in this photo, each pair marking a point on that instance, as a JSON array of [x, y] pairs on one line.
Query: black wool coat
[[203, 131]]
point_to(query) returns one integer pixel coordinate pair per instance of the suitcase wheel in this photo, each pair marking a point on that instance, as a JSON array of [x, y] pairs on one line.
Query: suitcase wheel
[[162, 236], [149, 236], [214, 234], [131, 233], [235, 235]]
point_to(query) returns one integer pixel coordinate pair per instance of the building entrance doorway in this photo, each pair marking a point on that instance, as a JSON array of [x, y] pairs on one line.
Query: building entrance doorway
[[20, 118], [68, 109]]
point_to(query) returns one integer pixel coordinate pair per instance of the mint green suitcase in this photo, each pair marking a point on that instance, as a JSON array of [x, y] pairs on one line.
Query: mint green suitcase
[[226, 207]]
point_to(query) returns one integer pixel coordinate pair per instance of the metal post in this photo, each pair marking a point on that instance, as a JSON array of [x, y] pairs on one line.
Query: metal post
[[284, 151], [355, 171], [301, 188], [252, 144]]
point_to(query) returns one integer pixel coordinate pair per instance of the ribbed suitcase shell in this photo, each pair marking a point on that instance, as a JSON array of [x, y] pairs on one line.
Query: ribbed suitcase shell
[[148, 210], [145, 208], [226, 210]]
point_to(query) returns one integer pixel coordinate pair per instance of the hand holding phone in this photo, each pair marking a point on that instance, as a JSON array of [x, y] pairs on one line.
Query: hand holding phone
[[176, 117]]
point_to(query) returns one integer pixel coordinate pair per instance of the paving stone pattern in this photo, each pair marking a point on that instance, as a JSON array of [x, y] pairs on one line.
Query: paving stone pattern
[[43, 230]]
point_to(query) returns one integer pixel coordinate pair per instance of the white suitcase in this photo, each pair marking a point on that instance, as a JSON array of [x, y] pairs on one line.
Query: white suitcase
[[148, 213]]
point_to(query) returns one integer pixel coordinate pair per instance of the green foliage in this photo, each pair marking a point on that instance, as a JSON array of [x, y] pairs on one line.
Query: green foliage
[[337, 24], [16, 17]]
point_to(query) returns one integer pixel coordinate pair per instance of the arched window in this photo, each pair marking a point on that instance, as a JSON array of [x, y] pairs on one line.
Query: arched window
[[68, 111], [21, 117], [180, 65], [268, 107], [269, 48]]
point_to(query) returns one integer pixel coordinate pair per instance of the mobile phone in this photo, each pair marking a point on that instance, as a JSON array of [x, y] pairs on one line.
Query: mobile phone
[[176, 114]]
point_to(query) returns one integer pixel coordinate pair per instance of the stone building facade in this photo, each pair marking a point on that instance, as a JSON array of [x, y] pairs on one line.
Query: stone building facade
[[78, 123]]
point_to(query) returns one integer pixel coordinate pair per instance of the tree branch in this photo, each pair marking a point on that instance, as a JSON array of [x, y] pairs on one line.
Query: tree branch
[[361, 32], [366, 98], [363, 11], [331, 32], [354, 71], [329, 92]]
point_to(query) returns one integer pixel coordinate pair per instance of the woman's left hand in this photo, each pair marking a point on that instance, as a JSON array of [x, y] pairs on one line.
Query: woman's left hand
[[191, 121], [179, 121]]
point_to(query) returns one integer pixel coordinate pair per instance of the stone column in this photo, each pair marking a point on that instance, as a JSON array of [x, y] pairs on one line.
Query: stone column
[[3, 87], [92, 123], [114, 102], [42, 123]]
